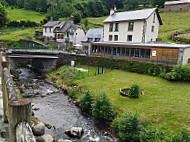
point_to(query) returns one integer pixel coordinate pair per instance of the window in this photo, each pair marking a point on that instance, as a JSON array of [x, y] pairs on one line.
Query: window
[[127, 52], [131, 26], [136, 52], [118, 51], [110, 37], [152, 29], [45, 29], [50, 30], [147, 54], [111, 27], [116, 27], [114, 51], [132, 52], [115, 37], [90, 39], [122, 51], [154, 18], [142, 53], [109, 50], [129, 38], [97, 39]]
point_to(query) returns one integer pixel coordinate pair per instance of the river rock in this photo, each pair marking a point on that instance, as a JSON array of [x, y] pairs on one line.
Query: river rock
[[38, 129], [61, 140], [75, 132], [43, 95], [48, 126], [47, 138]]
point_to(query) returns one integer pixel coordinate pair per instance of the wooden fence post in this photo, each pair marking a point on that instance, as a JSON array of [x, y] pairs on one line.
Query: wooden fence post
[[19, 111], [5, 64]]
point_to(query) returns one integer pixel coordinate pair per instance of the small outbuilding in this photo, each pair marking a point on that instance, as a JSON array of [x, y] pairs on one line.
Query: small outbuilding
[[176, 6]]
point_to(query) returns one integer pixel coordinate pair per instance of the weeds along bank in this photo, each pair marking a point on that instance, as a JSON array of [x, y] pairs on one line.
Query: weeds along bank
[[161, 114], [173, 73]]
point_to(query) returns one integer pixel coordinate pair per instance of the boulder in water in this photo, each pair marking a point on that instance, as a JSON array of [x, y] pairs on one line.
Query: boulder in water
[[75, 132], [47, 138], [38, 129]]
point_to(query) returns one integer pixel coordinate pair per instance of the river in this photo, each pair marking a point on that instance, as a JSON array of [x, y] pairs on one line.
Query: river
[[54, 108]]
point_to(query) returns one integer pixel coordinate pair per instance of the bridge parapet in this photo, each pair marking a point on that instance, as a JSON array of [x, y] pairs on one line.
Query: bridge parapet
[[16, 110]]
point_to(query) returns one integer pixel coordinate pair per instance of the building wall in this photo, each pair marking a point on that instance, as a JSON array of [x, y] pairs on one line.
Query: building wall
[[161, 55], [123, 31], [48, 33], [164, 54], [137, 33], [152, 36], [78, 35], [177, 8], [186, 56]]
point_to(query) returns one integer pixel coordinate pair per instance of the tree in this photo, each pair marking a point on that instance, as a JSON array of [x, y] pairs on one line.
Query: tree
[[77, 17], [102, 108], [159, 3], [3, 16]]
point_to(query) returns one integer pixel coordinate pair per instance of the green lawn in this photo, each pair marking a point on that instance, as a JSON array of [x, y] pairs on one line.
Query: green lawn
[[16, 33], [165, 104], [21, 14]]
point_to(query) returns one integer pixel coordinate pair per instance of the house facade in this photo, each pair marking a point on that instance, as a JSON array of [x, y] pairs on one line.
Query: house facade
[[176, 6], [63, 31], [132, 26]]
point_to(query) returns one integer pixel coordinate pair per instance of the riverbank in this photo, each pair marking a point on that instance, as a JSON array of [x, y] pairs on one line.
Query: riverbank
[[53, 107], [164, 105]]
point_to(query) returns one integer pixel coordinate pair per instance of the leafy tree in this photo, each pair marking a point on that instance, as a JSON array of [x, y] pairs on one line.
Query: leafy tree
[[159, 3], [77, 17], [102, 108], [3, 2], [3, 16]]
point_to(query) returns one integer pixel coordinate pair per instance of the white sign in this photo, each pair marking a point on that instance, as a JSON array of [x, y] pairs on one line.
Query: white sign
[[72, 63], [153, 53]]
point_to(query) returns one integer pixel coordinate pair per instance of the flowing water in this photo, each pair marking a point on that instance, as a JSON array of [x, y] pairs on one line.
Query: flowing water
[[53, 107]]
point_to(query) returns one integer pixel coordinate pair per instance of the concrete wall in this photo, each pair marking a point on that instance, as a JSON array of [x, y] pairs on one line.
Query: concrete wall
[[177, 8], [151, 36], [186, 56], [137, 33]]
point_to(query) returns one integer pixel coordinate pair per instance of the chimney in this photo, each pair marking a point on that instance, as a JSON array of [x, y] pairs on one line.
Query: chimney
[[51, 19], [113, 10], [71, 18]]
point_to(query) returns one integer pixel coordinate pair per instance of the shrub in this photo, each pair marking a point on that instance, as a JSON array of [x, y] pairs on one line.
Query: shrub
[[73, 93], [127, 126], [134, 91], [150, 134], [183, 137], [86, 101], [102, 108]]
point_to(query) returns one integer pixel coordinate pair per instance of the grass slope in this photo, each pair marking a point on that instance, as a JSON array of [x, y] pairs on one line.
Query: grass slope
[[21, 14], [16, 33], [165, 104]]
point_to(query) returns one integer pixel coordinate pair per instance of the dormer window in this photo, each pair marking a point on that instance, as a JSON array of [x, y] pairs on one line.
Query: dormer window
[[45, 29], [97, 39], [131, 26], [90, 39], [116, 27], [111, 27], [50, 30]]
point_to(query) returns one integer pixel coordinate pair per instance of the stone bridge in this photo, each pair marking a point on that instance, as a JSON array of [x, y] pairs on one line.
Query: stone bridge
[[42, 60]]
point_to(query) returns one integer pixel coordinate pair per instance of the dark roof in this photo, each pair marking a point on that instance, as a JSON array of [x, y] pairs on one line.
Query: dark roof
[[51, 23], [94, 33], [66, 26], [133, 15], [175, 2], [166, 45]]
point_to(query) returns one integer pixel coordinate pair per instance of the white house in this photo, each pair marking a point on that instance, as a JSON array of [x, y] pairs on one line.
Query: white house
[[132, 26], [64, 31]]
